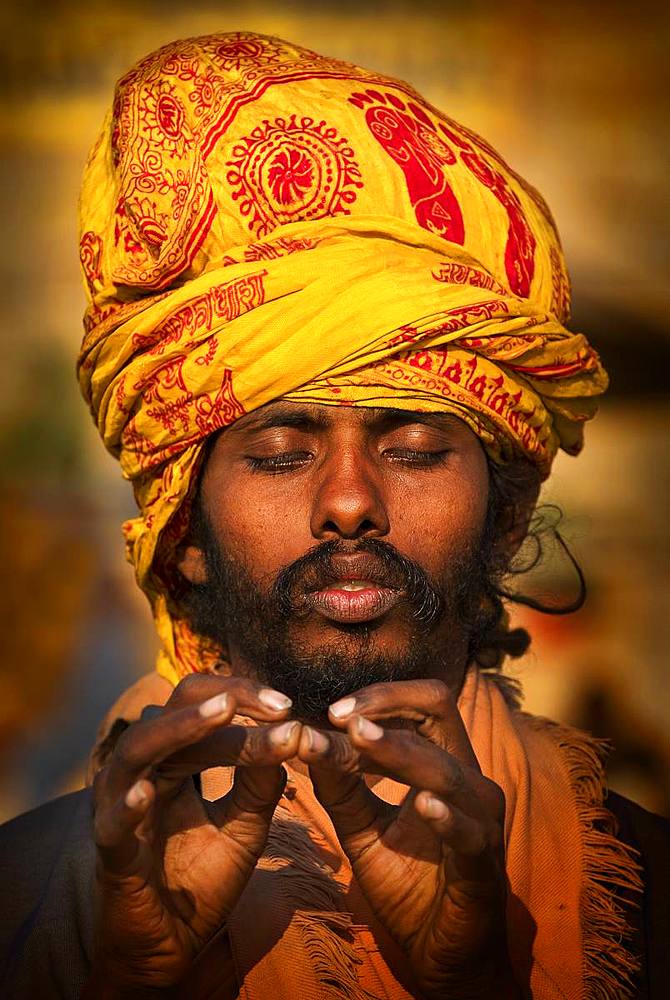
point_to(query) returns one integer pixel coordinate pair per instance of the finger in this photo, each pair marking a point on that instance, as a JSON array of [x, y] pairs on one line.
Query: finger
[[415, 761], [151, 712], [478, 847], [115, 827], [232, 746], [369, 749], [354, 810], [335, 769], [428, 702], [463, 833], [247, 809], [243, 817], [260, 703], [263, 704], [332, 750], [145, 744]]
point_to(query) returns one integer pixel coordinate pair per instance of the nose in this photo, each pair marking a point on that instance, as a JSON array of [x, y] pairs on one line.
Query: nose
[[349, 499]]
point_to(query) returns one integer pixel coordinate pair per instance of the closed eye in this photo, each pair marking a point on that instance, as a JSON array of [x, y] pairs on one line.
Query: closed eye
[[411, 456], [293, 460], [284, 462]]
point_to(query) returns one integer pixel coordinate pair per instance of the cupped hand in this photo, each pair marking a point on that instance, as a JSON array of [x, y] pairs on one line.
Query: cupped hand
[[433, 868], [172, 866]]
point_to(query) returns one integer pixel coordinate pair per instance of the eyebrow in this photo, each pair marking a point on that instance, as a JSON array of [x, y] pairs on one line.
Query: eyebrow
[[308, 418]]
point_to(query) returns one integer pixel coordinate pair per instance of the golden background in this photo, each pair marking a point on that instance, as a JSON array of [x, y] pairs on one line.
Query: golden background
[[575, 96]]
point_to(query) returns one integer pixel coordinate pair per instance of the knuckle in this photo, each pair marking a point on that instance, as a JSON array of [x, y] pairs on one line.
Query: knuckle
[[254, 746], [345, 757], [455, 778], [151, 712], [126, 753], [188, 687], [242, 688], [368, 696], [196, 688], [441, 695]]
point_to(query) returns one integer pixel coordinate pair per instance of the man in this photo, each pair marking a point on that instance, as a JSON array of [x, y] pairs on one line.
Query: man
[[325, 341]]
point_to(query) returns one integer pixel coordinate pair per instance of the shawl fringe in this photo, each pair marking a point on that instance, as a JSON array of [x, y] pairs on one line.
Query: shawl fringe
[[329, 942], [316, 901], [608, 865]]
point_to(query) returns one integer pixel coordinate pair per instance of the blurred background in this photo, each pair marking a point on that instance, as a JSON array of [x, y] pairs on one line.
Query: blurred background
[[575, 96]]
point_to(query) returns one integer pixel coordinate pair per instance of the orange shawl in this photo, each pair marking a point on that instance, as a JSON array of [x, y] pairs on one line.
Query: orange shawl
[[302, 927]]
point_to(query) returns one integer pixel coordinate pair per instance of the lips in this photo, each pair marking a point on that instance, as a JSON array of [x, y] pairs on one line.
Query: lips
[[354, 600], [357, 588]]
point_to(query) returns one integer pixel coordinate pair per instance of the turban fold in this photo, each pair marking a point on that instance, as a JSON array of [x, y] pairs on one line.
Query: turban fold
[[259, 221]]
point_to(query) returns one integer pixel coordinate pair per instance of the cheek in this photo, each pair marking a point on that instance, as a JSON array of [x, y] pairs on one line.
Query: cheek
[[257, 526], [440, 524]]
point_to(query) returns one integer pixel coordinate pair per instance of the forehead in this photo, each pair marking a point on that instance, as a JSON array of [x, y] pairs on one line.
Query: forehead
[[288, 413]]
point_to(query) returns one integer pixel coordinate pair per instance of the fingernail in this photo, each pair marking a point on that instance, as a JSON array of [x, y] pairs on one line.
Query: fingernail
[[217, 705], [436, 809], [136, 796], [316, 740], [274, 699], [282, 734], [340, 709], [368, 730]]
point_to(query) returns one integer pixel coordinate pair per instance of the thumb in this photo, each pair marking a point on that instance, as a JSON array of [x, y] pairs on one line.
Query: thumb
[[352, 807], [246, 811]]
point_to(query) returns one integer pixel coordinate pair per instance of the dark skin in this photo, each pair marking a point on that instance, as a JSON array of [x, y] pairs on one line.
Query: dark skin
[[171, 865]]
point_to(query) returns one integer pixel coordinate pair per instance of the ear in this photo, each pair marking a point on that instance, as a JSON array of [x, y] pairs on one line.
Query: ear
[[191, 563]]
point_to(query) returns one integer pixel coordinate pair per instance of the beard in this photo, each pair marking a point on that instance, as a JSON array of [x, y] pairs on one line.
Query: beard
[[263, 624]]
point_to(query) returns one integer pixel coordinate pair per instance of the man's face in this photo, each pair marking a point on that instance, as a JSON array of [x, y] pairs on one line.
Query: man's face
[[341, 546]]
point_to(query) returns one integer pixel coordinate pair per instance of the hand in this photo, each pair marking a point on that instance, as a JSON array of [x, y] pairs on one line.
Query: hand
[[172, 866], [433, 868]]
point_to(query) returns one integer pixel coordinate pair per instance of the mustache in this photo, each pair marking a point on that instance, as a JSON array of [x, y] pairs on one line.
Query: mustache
[[385, 566]]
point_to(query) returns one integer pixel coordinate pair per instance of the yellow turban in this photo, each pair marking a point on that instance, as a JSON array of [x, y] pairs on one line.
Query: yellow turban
[[259, 221]]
